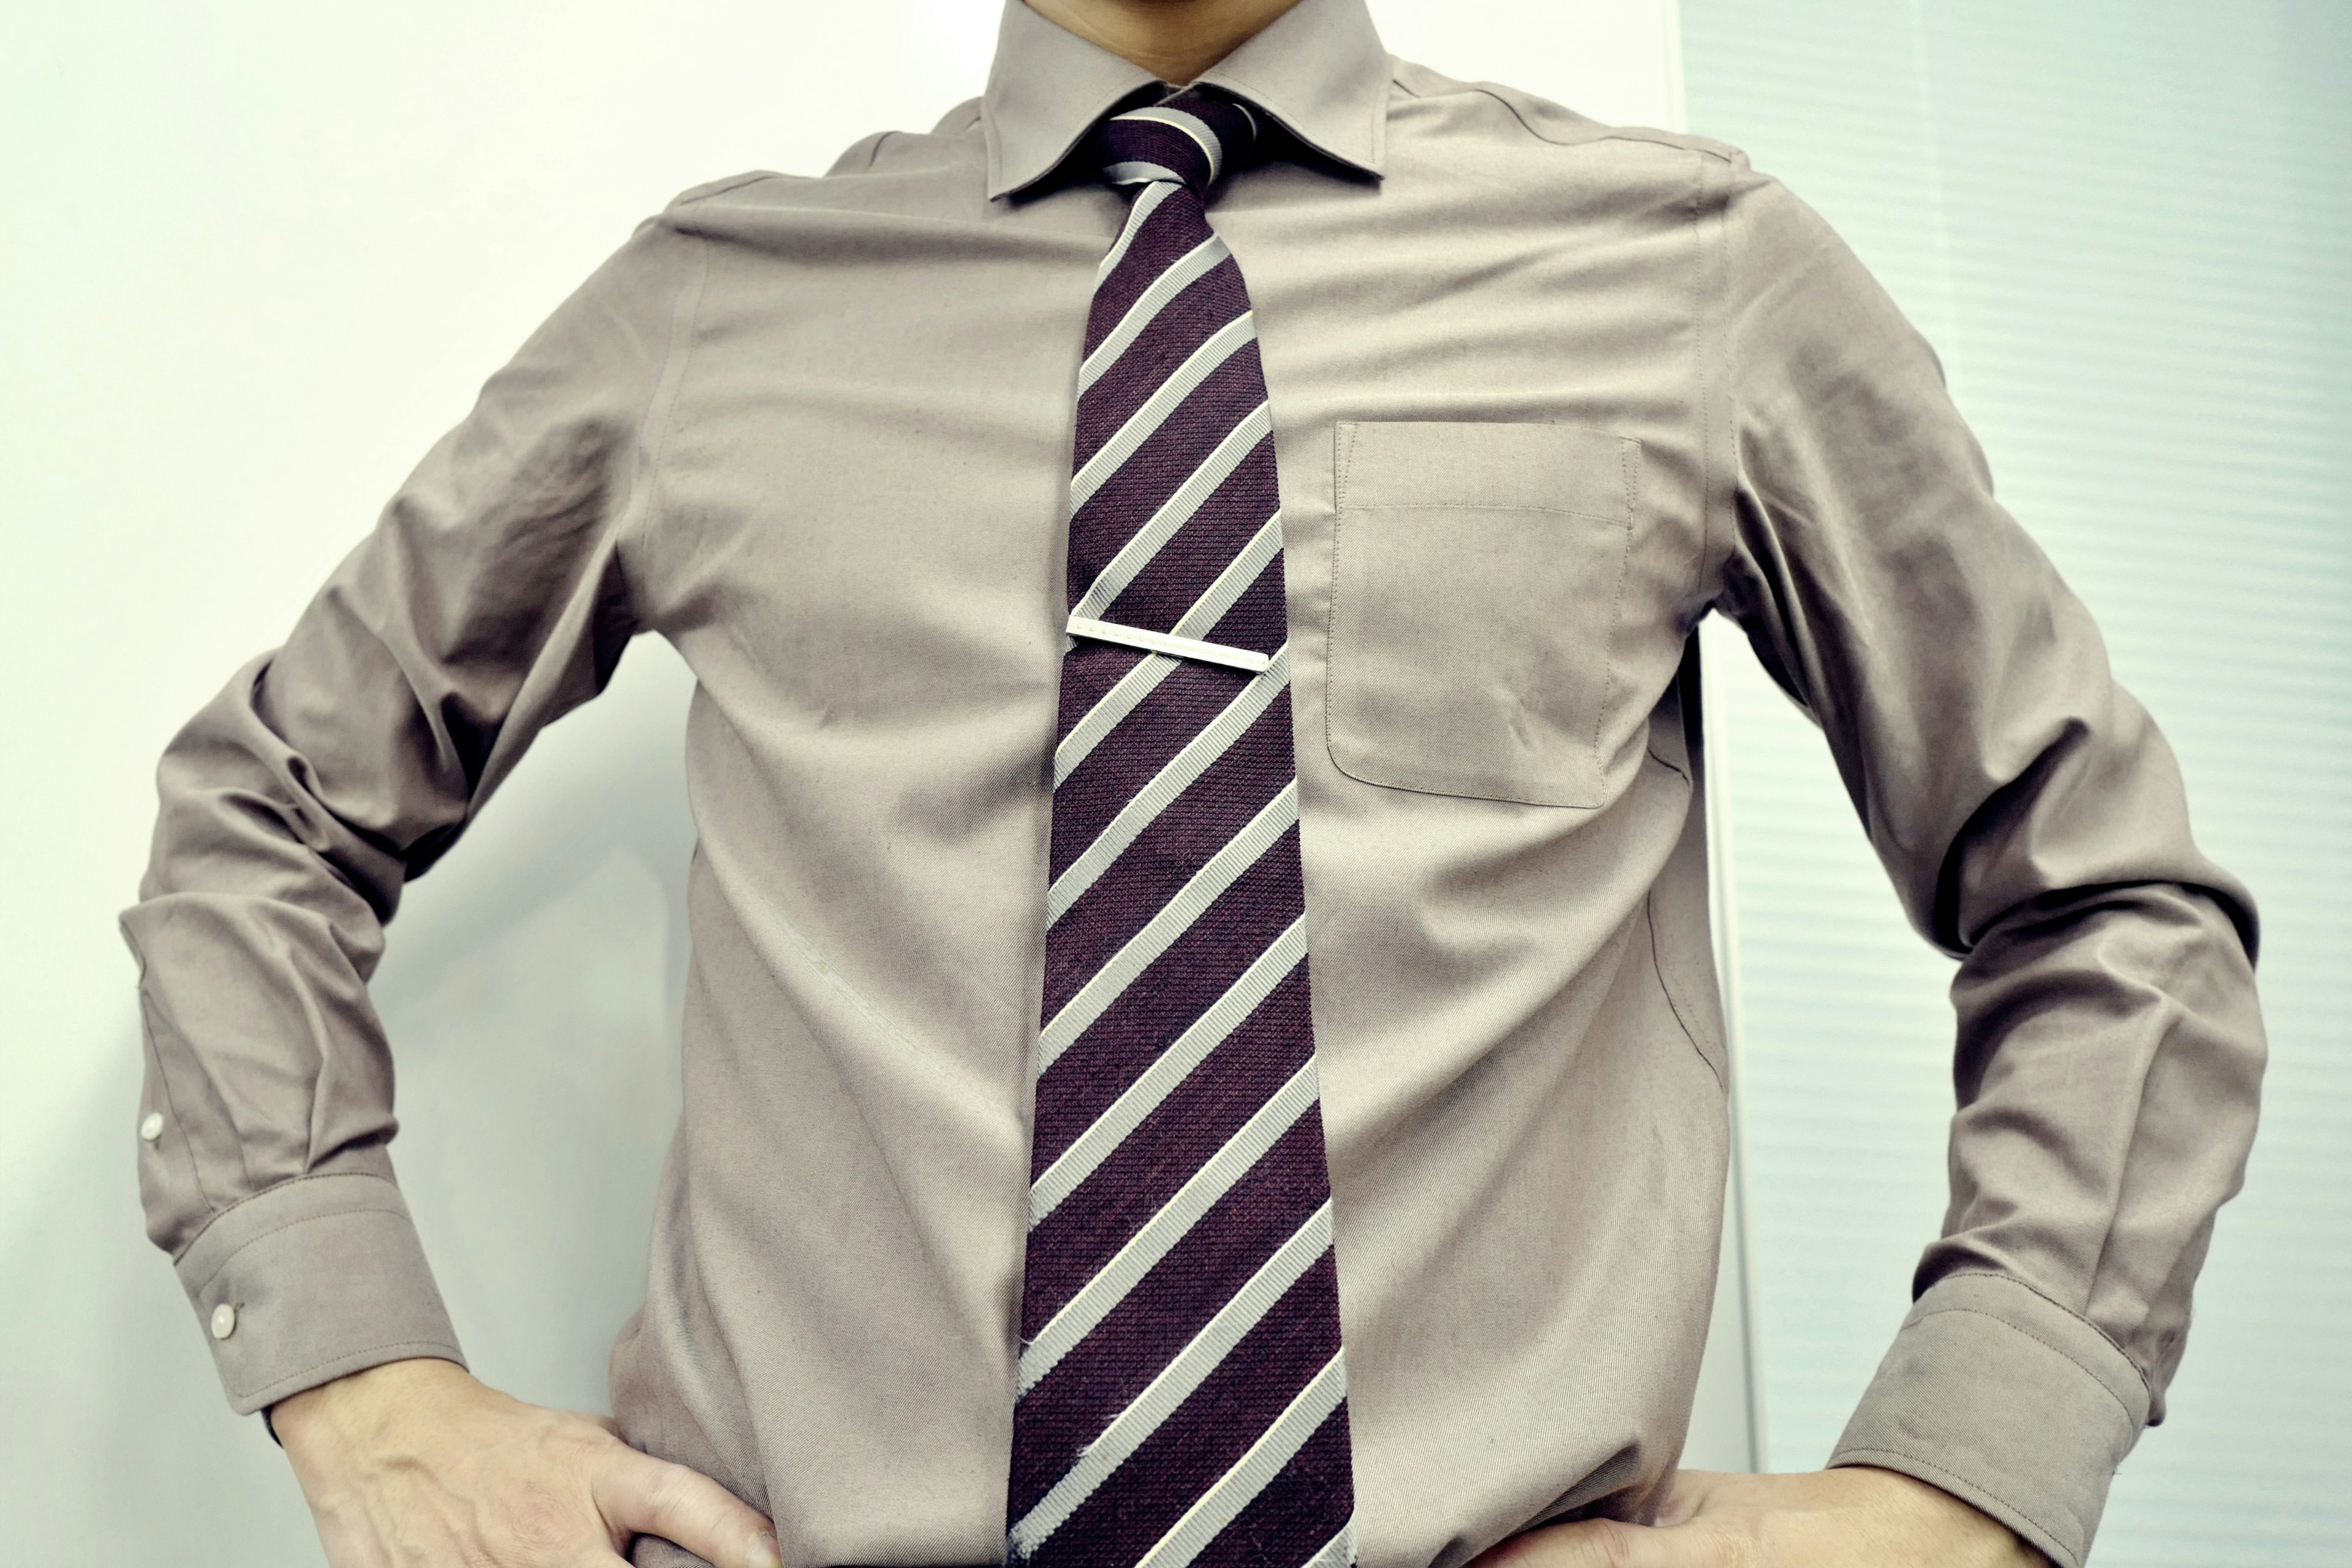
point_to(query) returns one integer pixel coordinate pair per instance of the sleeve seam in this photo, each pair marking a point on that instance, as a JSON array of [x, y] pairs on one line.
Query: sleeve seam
[[148, 1008], [1714, 381], [2056, 1305], [1650, 913], [640, 512], [2037, 1339], [395, 1207]]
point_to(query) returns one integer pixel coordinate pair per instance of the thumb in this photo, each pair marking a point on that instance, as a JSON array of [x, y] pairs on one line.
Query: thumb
[[638, 1494]]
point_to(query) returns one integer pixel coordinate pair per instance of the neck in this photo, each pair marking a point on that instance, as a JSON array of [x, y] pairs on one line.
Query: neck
[[1175, 40]]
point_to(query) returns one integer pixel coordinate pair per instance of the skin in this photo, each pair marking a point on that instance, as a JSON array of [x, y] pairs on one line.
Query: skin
[[1175, 40], [415, 1464], [1849, 1517]]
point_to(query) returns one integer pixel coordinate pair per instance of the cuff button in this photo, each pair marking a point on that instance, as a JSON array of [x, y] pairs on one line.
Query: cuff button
[[152, 1127], [224, 1320]]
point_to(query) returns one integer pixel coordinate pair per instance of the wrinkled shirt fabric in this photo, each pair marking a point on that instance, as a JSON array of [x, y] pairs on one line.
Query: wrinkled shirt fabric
[[1545, 392]]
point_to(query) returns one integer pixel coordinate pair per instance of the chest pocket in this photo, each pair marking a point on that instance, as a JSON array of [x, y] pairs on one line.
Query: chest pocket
[[1477, 571]]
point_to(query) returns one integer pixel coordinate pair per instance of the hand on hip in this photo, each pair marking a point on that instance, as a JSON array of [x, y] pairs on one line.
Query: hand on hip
[[1849, 1517], [413, 1464]]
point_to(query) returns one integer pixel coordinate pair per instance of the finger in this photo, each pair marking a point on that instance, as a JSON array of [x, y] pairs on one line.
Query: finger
[[640, 1494]]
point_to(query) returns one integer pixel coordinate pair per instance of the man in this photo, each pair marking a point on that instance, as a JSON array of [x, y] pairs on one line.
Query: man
[[1092, 624]]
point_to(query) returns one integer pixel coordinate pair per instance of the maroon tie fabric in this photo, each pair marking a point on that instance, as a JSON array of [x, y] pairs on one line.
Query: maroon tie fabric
[[1181, 1393]]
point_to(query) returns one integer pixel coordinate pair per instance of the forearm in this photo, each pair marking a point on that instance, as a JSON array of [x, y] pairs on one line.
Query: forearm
[[2111, 1052], [295, 807]]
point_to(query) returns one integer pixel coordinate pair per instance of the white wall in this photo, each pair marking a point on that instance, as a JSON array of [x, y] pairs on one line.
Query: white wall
[[254, 257]]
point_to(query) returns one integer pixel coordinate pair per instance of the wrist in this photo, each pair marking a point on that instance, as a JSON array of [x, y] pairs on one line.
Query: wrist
[[1948, 1516], [319, 1425]]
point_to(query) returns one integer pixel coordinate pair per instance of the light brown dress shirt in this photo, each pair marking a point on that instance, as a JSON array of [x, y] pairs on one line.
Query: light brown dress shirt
[[1545, 392]]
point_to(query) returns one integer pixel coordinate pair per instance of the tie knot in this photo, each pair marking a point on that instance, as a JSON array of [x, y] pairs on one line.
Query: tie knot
[[1193, 138]]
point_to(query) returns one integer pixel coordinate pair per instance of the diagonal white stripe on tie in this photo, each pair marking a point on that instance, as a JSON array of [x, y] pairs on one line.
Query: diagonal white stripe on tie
[[1168, 1070], [1180, 275], [1170, 921], [1236, 1489], [1147, 201], [1221, 346], [1161, 1232], [1174, 513], [1141, 682], [1140, 173], [1177, 1380], [1197, 129], [1109, 708], [1340, 1551], [1234, 581], [1166, 784]]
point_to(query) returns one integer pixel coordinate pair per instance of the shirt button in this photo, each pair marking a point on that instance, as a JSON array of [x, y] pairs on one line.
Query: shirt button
[[152, 1128], [224, 1320]]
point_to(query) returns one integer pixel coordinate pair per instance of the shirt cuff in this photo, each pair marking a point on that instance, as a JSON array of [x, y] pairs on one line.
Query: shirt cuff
[[310, 1279], [2002, 1398]]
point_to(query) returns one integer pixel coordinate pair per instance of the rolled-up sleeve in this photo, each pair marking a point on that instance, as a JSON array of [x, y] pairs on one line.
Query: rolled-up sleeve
[[492, 597], [2031, 818]]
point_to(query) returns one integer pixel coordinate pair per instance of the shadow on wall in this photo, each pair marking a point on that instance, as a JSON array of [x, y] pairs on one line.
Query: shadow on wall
[[532, 989]]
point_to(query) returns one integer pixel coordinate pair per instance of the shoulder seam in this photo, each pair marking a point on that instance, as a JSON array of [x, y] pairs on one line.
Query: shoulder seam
[[639, 514], [1608, 132], [1676, 141], [720, 187]]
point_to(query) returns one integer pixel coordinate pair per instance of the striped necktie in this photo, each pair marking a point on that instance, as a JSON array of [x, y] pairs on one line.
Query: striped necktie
[[1182, 1396]]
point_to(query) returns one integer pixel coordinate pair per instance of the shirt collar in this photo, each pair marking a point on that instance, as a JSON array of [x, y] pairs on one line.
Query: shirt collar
[[1319, 69]]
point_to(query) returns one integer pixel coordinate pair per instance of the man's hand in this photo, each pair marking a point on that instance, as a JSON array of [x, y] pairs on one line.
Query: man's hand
[[1852, 1518], [415, 1465]]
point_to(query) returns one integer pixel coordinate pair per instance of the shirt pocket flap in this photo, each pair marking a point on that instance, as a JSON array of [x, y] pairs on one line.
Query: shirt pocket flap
[[1514, 468]]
